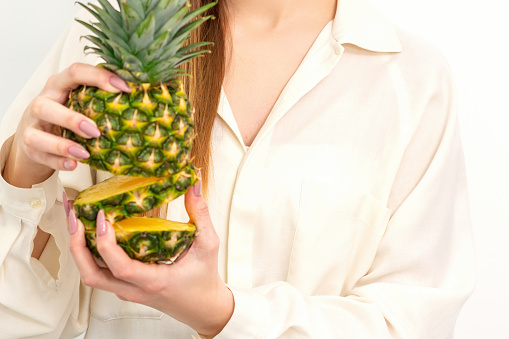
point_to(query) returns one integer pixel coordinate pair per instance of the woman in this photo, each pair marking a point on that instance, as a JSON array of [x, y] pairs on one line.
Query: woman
[[336, 204]]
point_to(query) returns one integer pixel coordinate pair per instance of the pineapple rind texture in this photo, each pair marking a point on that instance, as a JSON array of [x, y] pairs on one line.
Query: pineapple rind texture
[[149, 245], [120, 204], [142, 132], [147, 132]]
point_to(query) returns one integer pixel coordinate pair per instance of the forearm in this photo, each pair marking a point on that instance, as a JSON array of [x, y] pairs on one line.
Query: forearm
[[217, 314], [20, 171]]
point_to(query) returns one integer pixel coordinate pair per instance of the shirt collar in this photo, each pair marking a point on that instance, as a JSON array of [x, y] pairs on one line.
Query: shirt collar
[[358, 22]]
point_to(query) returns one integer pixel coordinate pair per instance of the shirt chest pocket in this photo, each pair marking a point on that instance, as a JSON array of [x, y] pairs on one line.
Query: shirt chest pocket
[[107, 306], [336, 238]]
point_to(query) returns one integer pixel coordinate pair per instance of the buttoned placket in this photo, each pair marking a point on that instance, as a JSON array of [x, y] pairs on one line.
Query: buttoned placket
[[318, 63]]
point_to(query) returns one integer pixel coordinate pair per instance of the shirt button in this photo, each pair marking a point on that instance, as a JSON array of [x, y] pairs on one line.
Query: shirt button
[[338, 50], [35, 203]]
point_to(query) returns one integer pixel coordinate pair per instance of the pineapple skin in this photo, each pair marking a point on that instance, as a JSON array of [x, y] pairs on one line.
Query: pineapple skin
[[118, 206], [162, 247], [148, 132]]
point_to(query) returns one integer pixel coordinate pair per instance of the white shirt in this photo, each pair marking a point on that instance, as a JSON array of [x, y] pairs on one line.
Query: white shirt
[[347, 217]]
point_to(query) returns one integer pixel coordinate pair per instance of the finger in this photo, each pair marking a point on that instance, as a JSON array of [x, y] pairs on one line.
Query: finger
[[52, 161], [49, 113], [67, 203], [91, 274], [120, 264], [52, 151], [39, 141], [59, 85], [198, 212]]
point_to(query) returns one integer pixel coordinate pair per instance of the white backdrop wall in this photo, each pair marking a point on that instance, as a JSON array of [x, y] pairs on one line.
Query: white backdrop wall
[[473, 37]]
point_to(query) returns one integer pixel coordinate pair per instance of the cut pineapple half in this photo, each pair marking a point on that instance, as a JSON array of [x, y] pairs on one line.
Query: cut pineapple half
[[149, 239], [119, 184], [147, 224], [122, 196]]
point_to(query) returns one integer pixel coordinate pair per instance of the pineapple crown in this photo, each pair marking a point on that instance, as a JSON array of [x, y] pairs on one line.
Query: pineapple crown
[[143, 41]]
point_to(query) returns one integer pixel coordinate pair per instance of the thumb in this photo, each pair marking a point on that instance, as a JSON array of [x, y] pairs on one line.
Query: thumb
[[198, 212]]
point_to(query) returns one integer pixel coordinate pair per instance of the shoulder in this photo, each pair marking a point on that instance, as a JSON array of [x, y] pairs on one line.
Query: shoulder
[[421, 61]]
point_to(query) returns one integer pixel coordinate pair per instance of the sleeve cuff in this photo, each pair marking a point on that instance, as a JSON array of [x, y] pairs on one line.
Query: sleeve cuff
[[27, 203], [249, 319]]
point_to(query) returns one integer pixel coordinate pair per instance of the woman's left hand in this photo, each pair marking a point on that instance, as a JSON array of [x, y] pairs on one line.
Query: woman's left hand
[[191, 291]]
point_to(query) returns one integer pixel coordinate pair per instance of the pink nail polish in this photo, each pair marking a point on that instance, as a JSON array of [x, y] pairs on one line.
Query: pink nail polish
[[197, 186], [119, 83], [69, 165], [73, 222], [89, 129], [101, 224], [66, 204], [78, 152]]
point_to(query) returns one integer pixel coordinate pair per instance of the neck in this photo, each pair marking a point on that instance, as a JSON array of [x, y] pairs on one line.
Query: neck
[[277, 13]]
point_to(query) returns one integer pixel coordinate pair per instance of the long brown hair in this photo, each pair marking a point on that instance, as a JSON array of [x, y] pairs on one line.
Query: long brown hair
[[204, 89], [204, 85]]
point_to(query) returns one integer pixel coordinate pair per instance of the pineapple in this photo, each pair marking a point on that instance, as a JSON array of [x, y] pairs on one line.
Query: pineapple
[[161, 241], [149, 131], [147, 134], [124, 196]]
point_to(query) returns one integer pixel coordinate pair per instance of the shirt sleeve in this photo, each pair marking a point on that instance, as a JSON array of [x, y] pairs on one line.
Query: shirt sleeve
[[424, 267], [37, 297], [40, 298]]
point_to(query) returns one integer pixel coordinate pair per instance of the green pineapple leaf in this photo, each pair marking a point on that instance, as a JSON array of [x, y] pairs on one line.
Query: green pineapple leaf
[[166, 9], [136, 5], [169, 25], [132, 63], [193, 14], [144, 40], [94, 30], [156, 48], [130, 19], [143, 35], [112, 12]]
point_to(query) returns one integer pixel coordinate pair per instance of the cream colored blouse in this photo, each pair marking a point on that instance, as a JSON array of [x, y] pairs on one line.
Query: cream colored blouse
[[347, 217]]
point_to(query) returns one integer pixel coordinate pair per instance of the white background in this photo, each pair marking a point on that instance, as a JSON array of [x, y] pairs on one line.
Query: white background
[[473, 35]]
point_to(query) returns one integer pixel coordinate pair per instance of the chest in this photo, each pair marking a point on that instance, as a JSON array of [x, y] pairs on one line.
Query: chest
[[259, 67], [313, 187]]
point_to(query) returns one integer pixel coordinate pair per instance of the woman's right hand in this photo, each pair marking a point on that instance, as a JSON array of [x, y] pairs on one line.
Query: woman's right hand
[[38, 149]]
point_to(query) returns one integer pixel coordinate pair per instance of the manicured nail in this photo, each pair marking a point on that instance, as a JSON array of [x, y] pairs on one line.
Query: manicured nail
[[73, 222], [89, 129], [78, 152], [66, 204], [197, 186], [69, 165], [119, 83], [101, 223]]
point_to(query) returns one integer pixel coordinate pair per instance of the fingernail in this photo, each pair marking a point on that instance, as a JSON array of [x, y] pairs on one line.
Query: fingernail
[[78, 152], [73, 222], [66, 203], [197, 186], [119, 83], [69, 165], [101, 223], [89, 129]]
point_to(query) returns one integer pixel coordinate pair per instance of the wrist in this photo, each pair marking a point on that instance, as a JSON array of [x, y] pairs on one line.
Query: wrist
[[223, 305], [22, 172]]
